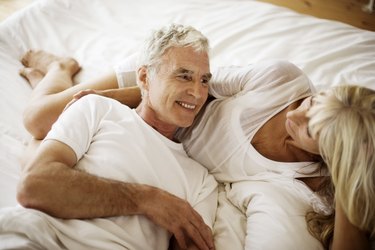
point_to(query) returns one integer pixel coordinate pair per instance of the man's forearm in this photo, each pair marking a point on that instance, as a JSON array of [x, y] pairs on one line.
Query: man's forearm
[[63, 192], [66, 193]]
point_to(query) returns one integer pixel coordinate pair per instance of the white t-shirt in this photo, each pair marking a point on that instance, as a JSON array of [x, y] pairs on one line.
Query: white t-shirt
[[112, 141], [266, 191], [247, 97]]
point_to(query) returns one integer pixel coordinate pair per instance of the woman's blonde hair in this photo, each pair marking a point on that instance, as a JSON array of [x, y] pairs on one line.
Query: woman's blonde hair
[[343, 121]]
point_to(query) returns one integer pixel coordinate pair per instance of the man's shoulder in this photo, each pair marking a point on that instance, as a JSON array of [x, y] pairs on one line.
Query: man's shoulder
[[102, 100], [95, 98], [100, 104]]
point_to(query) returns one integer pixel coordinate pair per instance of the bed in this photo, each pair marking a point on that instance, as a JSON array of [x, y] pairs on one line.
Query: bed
[[99, 34]]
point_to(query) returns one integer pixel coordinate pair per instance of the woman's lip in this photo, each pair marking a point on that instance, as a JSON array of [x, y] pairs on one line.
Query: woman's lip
[[288, 126]]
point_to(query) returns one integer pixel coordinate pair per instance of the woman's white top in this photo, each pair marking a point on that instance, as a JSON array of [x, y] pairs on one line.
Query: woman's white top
[[247, 97]]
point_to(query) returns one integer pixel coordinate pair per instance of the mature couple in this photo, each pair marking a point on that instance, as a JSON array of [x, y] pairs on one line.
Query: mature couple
[[125, 169]]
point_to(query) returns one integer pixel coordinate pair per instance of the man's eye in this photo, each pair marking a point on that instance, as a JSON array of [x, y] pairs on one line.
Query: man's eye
[[185, 77], [205, 82]]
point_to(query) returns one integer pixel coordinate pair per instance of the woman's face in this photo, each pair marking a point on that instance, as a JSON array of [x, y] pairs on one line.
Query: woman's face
[[296, 126]]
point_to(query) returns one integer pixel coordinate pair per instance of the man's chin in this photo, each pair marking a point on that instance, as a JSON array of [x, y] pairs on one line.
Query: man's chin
[[185, 124]]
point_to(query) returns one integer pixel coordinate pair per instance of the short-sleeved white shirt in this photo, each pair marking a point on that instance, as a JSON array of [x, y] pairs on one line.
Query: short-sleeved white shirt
[[112, 141], [246, 98]]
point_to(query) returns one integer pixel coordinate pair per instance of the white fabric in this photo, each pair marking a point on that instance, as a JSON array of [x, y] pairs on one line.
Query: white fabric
[[230, 224], [125, 71], [112, 141], [275, 211], [220, 139], [100, 34], [274, 203]]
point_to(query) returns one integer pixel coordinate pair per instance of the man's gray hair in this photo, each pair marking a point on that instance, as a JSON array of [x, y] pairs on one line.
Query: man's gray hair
[[175, 35]]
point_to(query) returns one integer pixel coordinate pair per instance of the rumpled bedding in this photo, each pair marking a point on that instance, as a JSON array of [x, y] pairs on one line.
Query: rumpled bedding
[[99, 34]]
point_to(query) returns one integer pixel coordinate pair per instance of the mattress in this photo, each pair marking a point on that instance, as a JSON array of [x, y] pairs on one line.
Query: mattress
[[100, 34]]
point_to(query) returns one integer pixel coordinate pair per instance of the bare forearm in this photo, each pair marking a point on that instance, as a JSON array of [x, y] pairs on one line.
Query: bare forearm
[[66, 193], [130, 96], [346, 235], [354, 240]]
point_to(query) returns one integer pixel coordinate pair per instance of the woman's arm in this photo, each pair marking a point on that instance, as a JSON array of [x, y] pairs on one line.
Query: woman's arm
[[346, 236], [269, 74], [129, 96]]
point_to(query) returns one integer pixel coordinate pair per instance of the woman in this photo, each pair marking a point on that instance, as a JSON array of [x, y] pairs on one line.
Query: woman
[[260, 128], [267, 127], [342, 120]]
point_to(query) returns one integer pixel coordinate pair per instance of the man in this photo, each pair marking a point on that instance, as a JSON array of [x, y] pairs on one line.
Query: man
[[102, 159]]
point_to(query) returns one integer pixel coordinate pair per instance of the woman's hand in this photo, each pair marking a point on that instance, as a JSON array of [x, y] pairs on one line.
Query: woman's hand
[[82, 93], [129, 96]]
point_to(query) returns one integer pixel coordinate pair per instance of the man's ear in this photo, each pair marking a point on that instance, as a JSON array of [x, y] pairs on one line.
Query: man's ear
[[142, 77]]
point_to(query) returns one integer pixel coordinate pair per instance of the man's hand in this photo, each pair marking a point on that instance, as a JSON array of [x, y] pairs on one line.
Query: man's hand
[[178, 217]]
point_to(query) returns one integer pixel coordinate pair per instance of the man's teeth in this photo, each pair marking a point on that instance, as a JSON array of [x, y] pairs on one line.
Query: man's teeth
[[185, 105]]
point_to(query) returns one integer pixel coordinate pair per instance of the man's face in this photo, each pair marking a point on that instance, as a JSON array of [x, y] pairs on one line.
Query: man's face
[[178, 89]]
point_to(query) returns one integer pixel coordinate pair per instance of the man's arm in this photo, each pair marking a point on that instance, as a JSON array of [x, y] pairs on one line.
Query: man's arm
[[50, 183], [347, 236]]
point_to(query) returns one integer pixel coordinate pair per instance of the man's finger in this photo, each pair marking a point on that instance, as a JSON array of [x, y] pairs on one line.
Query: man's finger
[[180, 238], [196, 236], [203, 229]]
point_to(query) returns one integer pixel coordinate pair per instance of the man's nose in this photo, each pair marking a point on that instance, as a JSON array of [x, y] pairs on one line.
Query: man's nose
[[196, 89]]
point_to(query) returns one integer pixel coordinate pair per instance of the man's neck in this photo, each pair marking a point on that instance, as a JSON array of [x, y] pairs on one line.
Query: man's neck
[[149, 116]]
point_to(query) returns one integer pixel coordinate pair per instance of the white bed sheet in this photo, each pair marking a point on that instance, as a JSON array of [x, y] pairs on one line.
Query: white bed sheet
[[101, 33]]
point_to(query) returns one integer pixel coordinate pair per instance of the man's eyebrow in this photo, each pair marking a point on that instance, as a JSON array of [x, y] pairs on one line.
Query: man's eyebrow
[[183, 71], [208, 76]]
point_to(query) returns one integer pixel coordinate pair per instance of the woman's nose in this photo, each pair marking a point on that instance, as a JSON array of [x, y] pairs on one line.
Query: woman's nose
[[298, 116]]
